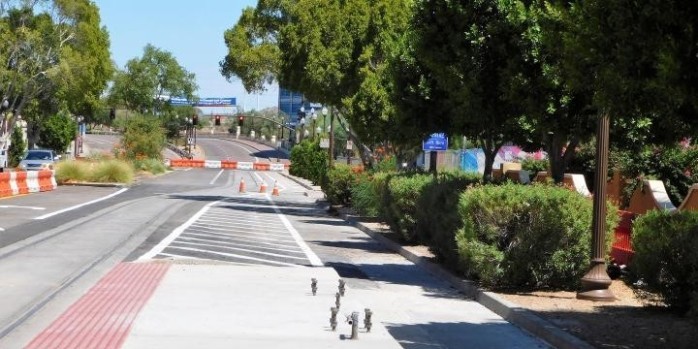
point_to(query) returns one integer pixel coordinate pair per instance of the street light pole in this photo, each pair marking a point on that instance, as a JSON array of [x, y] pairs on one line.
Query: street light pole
[[596, 282], [331, 163], [78, 120]]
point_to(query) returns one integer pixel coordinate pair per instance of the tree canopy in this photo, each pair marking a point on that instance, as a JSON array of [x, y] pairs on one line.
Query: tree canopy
[[147, 82]]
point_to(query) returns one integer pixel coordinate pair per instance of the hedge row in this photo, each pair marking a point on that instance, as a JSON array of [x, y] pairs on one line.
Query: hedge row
[[502, 235]]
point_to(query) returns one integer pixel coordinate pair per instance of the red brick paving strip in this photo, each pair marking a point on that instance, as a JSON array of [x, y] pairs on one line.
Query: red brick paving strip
[[102, 318]]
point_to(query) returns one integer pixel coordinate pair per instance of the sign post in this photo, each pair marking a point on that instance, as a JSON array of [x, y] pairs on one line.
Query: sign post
[[435, 142]]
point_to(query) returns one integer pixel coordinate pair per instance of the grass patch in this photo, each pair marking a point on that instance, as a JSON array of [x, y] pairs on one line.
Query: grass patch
[[101, 171]]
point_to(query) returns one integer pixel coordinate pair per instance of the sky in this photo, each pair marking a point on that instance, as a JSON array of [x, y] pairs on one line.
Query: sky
[[191, 30]]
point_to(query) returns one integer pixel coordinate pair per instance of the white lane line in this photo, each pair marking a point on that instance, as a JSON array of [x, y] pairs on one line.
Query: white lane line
[[236, 249], [80, 205], [232, 224], [261, 180], [312, 257], [235, 256], [274, 242], [216, 177], [24, 207], [175, 256], [250, 231], [175, 233], [296, 250], [233, 220]]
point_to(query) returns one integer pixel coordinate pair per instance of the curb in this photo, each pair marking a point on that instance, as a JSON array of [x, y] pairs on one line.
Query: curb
[[521, 317], [94, 184]]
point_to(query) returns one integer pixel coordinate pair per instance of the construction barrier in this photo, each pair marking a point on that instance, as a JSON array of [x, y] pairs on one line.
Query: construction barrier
[[5, 184], [47, 181], [622, 249], [245, 166], [261, 166], [212, 164], [228, 164], [20, 182]]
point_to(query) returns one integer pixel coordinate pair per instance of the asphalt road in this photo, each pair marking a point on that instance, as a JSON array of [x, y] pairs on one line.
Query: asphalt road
[[54, 241]]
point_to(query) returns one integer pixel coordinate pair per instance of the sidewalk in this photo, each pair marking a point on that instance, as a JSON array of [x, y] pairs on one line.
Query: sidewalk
[[195, 304]]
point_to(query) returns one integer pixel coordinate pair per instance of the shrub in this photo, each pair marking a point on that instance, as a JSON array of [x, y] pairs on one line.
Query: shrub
[[143, 138], [400, 202], [534, 166], [337, 187], [437, 217], [387, 164], [112, 171], [666, 256], [67, 171], [368, 192], [153, 166], [535, 236], [309, 161]]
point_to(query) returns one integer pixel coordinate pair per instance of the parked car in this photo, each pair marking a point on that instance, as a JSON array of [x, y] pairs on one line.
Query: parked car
[[38, 159]]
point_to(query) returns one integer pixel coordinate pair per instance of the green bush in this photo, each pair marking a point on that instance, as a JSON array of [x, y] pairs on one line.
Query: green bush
[[309, 161], [388, 164], [153, 166], [337, 187], [534, 236], [437, 217], [400, 202], [534, 166], [143, 138], [367, 194], [111, 171], [666, 256], [76, 171]]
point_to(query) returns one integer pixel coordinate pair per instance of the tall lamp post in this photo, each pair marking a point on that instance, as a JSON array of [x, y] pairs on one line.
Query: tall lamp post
[[596, 281], [302, 123], [78, 136], [187, 134]]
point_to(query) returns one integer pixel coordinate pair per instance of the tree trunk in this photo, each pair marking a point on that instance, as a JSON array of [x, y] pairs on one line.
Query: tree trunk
[[558, 159], [490, 149]]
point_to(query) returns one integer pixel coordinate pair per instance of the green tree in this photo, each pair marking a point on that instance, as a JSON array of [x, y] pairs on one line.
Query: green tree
[[17, 148], [57, 132], [334, 52], [146, 82], [471, 52]]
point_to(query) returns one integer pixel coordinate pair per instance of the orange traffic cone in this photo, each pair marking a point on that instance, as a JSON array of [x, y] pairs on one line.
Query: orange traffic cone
[[263, 187], [275, 190], [242, 185]]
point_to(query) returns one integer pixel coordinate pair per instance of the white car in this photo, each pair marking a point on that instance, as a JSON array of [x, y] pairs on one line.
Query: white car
[[38, 159]]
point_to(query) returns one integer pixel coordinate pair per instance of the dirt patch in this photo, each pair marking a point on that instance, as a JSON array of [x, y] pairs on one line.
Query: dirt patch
[[629, 322]]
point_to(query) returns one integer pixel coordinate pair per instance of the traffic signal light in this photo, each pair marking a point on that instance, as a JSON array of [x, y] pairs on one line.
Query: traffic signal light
[[218, 120], [195, 120], [241, 120]]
